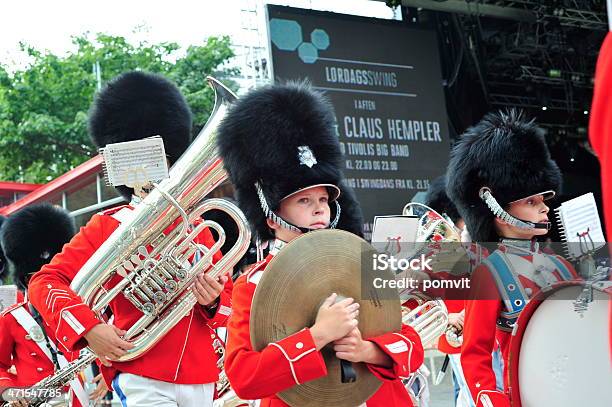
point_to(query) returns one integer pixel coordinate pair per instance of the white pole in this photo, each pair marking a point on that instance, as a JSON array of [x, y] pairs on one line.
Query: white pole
[[610, 14], [97, 72], [98, 75]]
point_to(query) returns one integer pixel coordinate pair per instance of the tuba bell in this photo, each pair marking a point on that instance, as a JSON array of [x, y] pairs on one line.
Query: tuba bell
[[156, 267], [433, 226], [439, 238]]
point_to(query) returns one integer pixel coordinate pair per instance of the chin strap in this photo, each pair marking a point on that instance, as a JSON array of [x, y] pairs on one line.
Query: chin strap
[[286, 224], [488, 198]]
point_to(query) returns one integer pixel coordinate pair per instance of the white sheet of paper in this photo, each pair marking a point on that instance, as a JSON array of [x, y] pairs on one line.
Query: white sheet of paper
[[395, 234], [135, 162], [8, 296], [576, 216]]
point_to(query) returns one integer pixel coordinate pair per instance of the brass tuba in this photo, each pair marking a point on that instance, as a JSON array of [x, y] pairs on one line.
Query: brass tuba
[[428, 317], [432, 225], [226, 397], [155, 266], [436, 227], [438, 236]]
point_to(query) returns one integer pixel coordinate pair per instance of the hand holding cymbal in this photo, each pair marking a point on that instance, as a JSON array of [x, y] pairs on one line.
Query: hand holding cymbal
[[335, 319]]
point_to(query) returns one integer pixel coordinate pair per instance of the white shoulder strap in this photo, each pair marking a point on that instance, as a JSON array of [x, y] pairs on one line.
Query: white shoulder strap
[[27, 321]]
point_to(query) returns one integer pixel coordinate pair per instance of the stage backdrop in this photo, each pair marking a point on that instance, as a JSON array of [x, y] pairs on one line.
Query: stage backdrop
[[384, 80]]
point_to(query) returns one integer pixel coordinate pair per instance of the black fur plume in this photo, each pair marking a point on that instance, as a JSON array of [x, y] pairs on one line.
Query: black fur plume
[[437, 199], [32, 236], [260, 140], [137, 105]]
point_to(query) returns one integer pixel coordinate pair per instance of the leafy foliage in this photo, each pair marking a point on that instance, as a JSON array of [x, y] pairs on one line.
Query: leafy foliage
[[43, 108]]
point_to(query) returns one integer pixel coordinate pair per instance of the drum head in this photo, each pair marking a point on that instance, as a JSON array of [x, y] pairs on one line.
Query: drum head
[[560, 357]]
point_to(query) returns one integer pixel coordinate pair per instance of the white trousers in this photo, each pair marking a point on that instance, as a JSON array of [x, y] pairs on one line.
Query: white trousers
[[139, 391], [464, 399]]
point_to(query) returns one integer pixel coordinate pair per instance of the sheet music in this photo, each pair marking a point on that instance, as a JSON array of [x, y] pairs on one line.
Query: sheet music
[[134, 163], [576, 216], [8, 296], [395, 234]]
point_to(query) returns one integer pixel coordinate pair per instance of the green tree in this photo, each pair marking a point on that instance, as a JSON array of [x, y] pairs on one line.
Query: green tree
[[43, 108], [190, 73]]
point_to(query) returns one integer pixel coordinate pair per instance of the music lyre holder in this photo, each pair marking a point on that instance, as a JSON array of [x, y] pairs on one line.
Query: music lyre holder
[[587, 268]]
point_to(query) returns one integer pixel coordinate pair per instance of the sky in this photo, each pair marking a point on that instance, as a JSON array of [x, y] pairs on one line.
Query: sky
[[49, 24]]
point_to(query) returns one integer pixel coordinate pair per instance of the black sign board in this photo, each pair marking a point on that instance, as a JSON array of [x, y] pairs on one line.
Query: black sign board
[[383, 78]]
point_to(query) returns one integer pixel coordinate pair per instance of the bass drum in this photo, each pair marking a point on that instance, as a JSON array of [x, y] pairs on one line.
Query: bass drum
[[561, 351]]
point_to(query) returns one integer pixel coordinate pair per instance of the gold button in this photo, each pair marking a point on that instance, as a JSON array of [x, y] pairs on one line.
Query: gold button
[[39, 369], [33, 354], [299, 345], [65, 339]]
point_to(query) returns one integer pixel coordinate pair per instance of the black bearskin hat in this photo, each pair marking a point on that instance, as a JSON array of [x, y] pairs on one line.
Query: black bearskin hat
[[437, 199], [507, 154], [32, 236], [137, 105], [282, 137]]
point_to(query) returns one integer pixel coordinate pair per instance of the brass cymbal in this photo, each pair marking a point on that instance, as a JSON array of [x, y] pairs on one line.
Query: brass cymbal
[[290, 292]]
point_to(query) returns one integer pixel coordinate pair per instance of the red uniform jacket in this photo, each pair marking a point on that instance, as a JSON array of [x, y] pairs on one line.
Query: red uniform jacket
[[600, 125], [454, 299], [481, 330], [281, 365], [31, 364], [185, 355], [19, 349]]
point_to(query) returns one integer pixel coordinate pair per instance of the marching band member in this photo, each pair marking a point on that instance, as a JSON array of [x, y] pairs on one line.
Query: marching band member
[[280, 149], [181, 369], [30, 238], [499, 176]]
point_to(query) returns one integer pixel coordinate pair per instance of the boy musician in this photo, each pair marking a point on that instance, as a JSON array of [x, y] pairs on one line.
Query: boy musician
[[281, 151], [499, 176], [181, 369], [30, 238]]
